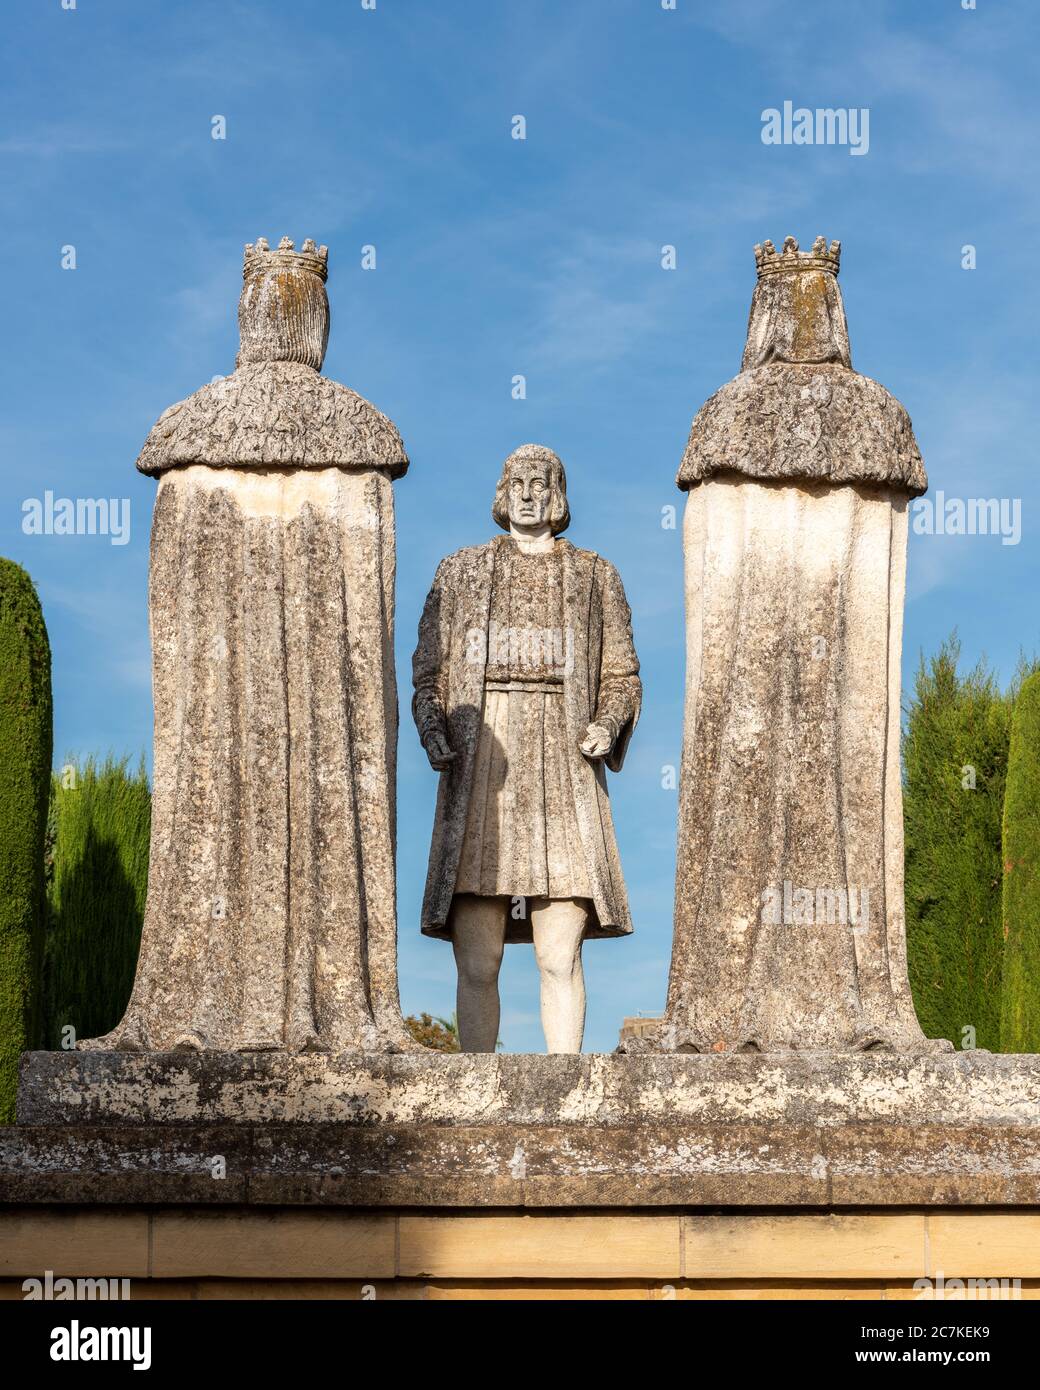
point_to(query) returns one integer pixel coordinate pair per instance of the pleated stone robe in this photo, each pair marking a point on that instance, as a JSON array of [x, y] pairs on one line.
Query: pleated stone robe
[[271, 914], [789, 911]]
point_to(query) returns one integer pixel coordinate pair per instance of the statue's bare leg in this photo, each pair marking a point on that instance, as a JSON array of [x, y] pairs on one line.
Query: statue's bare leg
[[558, 926], [478, 934]]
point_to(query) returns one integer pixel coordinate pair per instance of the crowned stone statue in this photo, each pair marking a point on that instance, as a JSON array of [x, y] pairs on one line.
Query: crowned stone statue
[[526, 688], [789, 910], [271, 916]]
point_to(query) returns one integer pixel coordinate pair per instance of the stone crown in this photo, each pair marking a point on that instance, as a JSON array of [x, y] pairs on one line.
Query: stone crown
[[769, 261], [259, 256]]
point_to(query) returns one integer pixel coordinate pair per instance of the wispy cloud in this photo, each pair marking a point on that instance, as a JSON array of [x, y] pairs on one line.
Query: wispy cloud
[[54, 142]]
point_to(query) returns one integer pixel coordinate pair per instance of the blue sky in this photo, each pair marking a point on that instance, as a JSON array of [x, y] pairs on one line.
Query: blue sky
[[391, 127]]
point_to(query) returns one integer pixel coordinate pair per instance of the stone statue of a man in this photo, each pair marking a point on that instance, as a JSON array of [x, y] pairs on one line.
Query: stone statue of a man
[[789, 903], [526, 685], [271, 921]]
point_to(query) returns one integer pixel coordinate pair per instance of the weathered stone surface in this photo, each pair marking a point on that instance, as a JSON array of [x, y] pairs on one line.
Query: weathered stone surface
[[668, 1164], [541, 1131], [802, 422], [114, 1164], [274, 415], [520, 1165], [789, 908], [803, 1089], [271, 913]]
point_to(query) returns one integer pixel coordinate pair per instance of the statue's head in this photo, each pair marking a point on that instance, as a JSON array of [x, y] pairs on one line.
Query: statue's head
[[796, 313], [283, 313], [532, 490]]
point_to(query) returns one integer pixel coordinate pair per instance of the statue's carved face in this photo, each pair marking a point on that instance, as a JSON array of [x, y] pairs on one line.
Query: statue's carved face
[[530, 494]]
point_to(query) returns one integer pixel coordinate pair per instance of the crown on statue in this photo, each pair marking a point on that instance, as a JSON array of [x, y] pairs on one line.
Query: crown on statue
[[259, 256], [769, 261]]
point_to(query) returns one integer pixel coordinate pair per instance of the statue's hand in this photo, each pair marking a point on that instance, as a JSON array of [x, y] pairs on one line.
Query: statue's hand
[[598, 741], [438, 751]]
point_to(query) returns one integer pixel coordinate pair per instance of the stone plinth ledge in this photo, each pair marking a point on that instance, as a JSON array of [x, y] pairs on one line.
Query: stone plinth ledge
[[518, 1131], [827, 1089]]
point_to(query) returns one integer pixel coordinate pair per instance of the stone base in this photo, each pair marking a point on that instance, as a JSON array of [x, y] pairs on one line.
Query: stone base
[[434, 1088], [805, 1130], [190, 1252]]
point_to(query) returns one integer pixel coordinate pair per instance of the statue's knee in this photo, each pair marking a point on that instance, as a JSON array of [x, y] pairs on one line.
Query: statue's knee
[[479, 972], [557, 962]]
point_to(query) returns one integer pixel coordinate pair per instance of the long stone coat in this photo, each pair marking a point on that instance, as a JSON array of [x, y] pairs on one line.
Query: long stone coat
[[603, 686]]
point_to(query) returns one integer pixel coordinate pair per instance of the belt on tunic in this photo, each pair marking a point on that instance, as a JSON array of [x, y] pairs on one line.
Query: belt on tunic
[[544, 687]]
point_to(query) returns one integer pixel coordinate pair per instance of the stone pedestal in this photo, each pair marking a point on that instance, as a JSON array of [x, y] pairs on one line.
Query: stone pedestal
[[225, 1175], [817, 1130]]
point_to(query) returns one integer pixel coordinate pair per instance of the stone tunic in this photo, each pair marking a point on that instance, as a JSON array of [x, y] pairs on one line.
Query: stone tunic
[[527, 640], [522, 837]]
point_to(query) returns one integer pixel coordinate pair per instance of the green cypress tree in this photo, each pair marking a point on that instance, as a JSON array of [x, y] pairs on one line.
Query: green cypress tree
[[1020, 990], [955, 761], [25, 763], [98, 881]]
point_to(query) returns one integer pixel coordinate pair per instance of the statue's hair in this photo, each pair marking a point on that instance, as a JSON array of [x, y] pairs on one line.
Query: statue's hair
[[559, 512]]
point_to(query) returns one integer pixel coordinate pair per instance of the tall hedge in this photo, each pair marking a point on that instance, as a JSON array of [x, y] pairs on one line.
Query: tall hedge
[[955, 759], [97, 882], [25, 762], [1020, 993]]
